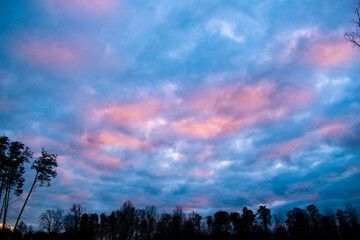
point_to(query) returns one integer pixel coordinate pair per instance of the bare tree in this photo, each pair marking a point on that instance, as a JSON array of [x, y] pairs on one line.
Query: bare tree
[[354, 37], [72, 220], [51, 220]]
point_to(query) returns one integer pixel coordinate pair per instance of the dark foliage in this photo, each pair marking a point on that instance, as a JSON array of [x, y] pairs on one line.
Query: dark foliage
[[129, 223]]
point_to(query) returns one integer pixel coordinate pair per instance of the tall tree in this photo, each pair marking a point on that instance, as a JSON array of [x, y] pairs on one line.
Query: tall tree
[[127, 220], [280, 230], [13, 155], [197, 222], [72, 220], [209, 223], [163, 227], [248, 219], [176, 222], [344, 226], [328, 226], [150, 215], [314, 221], [354, 36], [353, 220], [264, 214], [221, 224], [44, 167], [235, 220], [298, 224]]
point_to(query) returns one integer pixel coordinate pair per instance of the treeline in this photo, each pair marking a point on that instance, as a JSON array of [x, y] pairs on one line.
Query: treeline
[[129, 223]]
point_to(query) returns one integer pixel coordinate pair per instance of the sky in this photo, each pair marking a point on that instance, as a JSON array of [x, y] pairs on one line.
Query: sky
[[204, 104]]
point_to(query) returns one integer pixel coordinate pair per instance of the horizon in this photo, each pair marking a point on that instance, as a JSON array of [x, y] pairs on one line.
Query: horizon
[[200, 104]]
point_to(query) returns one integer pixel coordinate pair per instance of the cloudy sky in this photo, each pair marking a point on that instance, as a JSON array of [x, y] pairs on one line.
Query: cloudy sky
[[201, 103]]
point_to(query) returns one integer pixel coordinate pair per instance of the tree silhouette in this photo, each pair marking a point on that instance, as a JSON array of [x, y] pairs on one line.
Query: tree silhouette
[[176, 223], [314, 221], [328, 225], [163, 227], [264, 214], [44, 167], [52, 220], [354, 36], [344, 226], [235, 220], [248, 219], [221, 224], [129, 223], [127, 219], [104, 230], [188, 231], [298, 224], [353, 220], [150, 215], [72, 220], [13, 155], [280, 230], [197, 222], [209, 223]]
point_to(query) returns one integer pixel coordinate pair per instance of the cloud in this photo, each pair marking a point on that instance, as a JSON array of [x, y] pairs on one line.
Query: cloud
[[115, 139], [103, 159], [334, 129], [204, 129], [286, 148], [54, 54], [202, 173], [129, 113], [329, 53], [225, 28], [88, 7], [222, 111]]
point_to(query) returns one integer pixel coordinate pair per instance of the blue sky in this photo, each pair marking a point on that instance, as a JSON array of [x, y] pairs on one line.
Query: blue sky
[[205, 104]]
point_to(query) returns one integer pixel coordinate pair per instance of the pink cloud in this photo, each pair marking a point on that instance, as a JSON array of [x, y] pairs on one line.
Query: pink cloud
[[286, 148], [333, 129], [130, 113], [296, 97], [73, 197], [117, 139], [89, 7], [201, 173], [104, 159], [204, 128], [50, 53], [329, 53], [305, 196], [38, 141], [239, 96], [63, 159], [66, 176], [201, 201], [222, 111], [59, 196]]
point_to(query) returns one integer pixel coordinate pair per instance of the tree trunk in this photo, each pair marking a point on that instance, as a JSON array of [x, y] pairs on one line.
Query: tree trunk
[[1, 187], [5, 207], [27, 198]]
